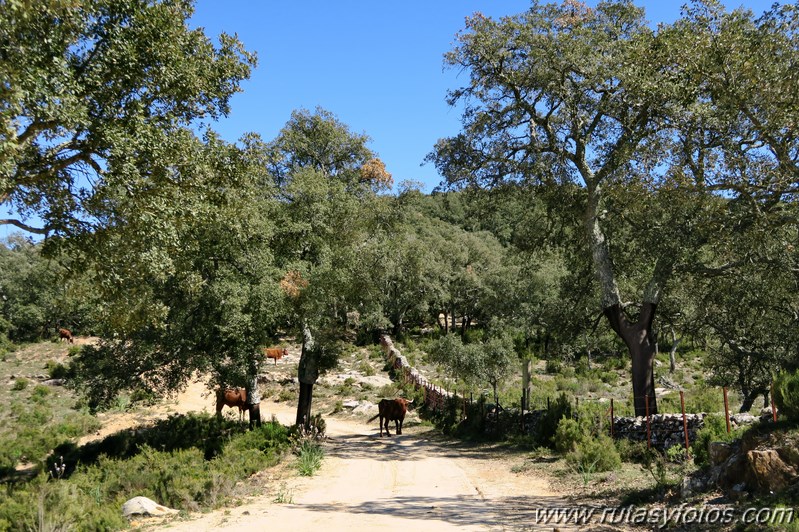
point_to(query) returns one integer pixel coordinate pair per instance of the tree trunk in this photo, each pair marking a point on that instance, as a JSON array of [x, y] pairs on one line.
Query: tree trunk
[[749, 399], [397, 329], [637, 336], [253, 395], [638, 339], [255, 415], [446, 322], [673, 353], [307, 373], [304, 405], [525, 385]]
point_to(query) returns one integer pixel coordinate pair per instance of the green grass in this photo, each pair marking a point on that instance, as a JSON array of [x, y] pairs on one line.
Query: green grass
[[309, 457], [185, 462]]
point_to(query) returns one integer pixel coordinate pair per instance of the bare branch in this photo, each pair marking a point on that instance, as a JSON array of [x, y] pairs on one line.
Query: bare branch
[[25, 227]]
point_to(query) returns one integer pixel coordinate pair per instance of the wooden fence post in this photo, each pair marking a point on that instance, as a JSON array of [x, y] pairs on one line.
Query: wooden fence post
[[726, 409], [684, 424]]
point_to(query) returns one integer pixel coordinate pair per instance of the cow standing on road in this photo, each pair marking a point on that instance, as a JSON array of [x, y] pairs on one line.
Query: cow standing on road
[[391, 410]]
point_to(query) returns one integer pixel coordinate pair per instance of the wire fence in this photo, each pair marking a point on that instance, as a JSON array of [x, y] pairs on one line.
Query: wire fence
[[657, 429]]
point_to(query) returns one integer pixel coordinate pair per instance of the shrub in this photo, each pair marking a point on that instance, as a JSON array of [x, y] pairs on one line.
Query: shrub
[[565, 384], [713, 429], [553, 366], [366, 369], [139, 395], [706, 399], [40, 392], [474, 425], [609, 377], [286, 396], [594, 453], [582, 367], [20, 384], [631, 451], [568, 435], [56, 370], [183, 474], [786, 394], [546, 427]]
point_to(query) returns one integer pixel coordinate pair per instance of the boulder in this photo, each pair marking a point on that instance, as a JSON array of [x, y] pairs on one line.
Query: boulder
[[767, 472], [692, 485], [146, 507], [719, 452], [730, 473]]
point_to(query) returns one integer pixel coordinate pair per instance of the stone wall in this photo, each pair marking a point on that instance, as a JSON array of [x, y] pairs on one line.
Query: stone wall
[[434, 396], [665, 430]]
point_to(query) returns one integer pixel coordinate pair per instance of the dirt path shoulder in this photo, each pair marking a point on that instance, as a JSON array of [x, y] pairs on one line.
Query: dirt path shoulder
[[414, 481]]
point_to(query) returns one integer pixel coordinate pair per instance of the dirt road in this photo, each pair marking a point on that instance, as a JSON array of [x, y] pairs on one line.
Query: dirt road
[[416, 481]]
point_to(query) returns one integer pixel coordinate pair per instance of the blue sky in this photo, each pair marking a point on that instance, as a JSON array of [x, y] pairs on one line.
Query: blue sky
[[376, 65]]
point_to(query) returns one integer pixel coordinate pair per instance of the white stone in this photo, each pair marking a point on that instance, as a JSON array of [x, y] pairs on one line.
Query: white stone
[[145, 506]]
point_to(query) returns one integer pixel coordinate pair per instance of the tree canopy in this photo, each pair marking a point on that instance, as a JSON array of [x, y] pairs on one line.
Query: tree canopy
[[565, 96], [93, 99]]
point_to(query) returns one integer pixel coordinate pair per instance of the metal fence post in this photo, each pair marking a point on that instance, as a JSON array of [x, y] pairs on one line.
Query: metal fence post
[[726, 409], [684, 423]]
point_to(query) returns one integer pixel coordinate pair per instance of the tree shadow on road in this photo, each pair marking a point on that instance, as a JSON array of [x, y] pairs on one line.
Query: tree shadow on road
[[518, 512], [415, 444]]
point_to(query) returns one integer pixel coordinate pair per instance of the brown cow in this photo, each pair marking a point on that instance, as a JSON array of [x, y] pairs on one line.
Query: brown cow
[[231, 397], [391, 410], [276, 353], [65, 334]]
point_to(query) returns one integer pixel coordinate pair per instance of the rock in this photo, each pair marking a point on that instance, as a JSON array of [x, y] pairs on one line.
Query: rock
[[145, 506], [790, 455], [54, 382], [731, 472], [743, 419], [719, 452], [691, 485], [738, 492], [351, 404], [766, 413], [767, 472], [365, 407]]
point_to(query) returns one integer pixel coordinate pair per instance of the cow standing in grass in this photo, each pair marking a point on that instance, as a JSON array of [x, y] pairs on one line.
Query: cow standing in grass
[[65, 334], [391, 410], [276, 353], [232, 397]]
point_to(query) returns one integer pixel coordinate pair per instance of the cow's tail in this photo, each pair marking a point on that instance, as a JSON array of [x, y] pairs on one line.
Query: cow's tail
[[373, 418]]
